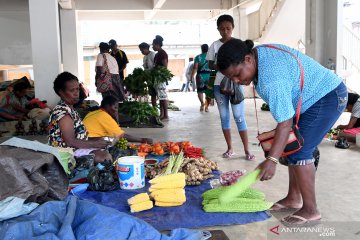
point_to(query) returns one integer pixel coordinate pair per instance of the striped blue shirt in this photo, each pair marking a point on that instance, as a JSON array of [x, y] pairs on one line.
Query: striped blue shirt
[[279, 81]]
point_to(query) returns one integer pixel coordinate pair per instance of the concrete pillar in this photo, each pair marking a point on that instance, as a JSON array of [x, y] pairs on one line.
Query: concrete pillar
[[323, 30], [72, 52], [240, 20], [45, 44]]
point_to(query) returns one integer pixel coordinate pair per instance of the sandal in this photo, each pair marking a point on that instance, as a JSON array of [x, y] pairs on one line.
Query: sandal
[[303, 221], [250, 157], [206, 109], [280, 207], [228, 154]]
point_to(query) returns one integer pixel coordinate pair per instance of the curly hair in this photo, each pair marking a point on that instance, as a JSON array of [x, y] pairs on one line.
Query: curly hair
[[233, 52], [61, 80], [158, 40]]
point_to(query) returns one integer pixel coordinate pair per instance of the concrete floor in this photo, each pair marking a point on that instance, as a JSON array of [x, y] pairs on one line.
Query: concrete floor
[[337, 195]]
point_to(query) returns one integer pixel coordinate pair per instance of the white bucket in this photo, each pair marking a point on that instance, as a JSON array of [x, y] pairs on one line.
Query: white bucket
[[131, 172]]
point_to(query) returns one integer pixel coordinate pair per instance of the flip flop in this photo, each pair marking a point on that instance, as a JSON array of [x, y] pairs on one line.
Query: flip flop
[[250, 157], [303, 221], [280, 207], [202, 108], [228, 154]]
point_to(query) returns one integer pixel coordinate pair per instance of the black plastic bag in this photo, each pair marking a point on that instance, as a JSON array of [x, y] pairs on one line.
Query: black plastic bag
[[103, 177], [238, 96], [227, 87]]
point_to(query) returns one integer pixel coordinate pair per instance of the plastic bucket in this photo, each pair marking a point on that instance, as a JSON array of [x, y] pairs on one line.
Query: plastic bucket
[[131, 172]]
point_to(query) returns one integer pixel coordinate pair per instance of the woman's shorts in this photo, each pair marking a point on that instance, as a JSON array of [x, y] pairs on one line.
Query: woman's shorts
[[161, 91]]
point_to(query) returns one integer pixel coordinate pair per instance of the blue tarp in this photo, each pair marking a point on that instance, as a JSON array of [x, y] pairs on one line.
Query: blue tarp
[[77, 219], [189, 215]]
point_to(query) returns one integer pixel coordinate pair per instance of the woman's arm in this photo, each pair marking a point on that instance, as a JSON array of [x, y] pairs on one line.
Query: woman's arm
[[137, 139], [281, 137], [350, 125], [194, 70], [165, 62], [67, 129]]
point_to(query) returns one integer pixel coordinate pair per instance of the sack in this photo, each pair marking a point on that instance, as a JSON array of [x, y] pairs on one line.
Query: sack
[[227, 87], [294, 143], [103, 81], [238, 96]]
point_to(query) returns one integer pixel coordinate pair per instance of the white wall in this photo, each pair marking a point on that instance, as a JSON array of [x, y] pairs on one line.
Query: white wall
[[288, 25], [15, 40]]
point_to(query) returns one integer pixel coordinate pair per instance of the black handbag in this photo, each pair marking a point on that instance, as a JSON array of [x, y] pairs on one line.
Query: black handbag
[[227, 87]]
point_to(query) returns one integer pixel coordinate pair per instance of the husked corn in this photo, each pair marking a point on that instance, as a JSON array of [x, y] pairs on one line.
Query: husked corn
[[170, 177], [248, 193], [138, 198], [167, 191], [167, 204], [138, 207], [238, 188], [170, 198], [169, 184], [238, 205]]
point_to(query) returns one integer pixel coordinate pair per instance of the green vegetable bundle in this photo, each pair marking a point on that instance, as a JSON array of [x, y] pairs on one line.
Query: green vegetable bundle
[[140, 112]]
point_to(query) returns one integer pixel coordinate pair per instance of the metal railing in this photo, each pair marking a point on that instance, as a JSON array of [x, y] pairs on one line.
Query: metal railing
[[351, 48]]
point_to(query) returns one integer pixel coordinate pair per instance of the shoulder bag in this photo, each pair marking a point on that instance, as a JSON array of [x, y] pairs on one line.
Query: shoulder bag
[[103, 81], [295, 141]]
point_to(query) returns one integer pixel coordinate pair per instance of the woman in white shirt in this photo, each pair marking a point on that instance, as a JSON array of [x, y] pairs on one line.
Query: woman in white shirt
[[225, 26], [116, 90]]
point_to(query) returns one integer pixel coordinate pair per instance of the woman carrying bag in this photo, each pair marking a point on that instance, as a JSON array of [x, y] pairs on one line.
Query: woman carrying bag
[[276, 74], [107, 78]]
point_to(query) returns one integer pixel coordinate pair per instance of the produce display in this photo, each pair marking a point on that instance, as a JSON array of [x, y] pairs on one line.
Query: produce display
[[250, 200], [122, 144], [231, 177], [140, 202], [332, 134], [140, 112]]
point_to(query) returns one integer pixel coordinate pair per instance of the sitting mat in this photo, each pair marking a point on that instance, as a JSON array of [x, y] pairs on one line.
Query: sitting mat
[[189, 215]]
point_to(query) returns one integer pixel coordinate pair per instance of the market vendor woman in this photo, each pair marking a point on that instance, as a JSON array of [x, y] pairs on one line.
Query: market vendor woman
[[65, 126], [276, 76], [103, 122]]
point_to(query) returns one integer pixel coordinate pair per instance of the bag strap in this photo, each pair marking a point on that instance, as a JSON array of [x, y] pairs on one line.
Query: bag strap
[[298, 109]]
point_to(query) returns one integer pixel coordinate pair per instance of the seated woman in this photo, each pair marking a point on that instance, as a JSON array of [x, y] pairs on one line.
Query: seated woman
[[103, 122], [65, 126], [350, 130], [15, 101]]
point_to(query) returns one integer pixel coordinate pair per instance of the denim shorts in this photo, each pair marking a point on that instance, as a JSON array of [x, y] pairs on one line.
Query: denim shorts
[[316, 121], [223, 102]]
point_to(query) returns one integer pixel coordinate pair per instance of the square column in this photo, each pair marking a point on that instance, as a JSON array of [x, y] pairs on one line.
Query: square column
[[45, 44]]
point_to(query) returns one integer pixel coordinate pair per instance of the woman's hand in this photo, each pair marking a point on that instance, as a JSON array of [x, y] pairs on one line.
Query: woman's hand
[[101, 143], [268, 169]]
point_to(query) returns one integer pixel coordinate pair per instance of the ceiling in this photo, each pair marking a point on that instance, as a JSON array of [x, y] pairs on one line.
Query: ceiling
[[152, 9]]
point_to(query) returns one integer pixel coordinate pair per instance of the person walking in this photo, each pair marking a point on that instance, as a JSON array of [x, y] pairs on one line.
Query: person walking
[[201, 68]]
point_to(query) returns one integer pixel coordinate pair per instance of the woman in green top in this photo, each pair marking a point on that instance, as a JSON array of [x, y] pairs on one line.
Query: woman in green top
[[201, 68]]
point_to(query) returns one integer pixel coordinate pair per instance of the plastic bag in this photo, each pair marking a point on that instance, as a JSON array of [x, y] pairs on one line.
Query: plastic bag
[[238, 96], [227, 87], [231, 177], [103, 177]]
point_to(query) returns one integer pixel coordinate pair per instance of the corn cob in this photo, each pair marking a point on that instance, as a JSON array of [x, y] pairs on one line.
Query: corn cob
[[166, 204], [168, 184], [238, 205], [167, 191], [238, 188], [170, 198], [141, 197], [170, 177], [248, 193], [138, 207]]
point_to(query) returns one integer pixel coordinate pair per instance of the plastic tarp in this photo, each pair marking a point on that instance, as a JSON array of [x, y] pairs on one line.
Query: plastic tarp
[[30, 175], [13, 207], [77, 219], [189, 215]]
